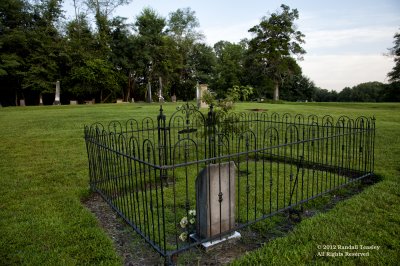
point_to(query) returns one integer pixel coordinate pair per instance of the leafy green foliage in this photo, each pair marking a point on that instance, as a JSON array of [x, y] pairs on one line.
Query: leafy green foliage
[[394, 75], [229, 70], [241, 92], [46, 47], [38, 47], [364, 92], [298, 88], [14, 48], [276, 40], [96, 76], [192, 57]]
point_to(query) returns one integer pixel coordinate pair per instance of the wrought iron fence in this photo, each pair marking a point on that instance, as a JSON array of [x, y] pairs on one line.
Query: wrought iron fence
[[147, 169]]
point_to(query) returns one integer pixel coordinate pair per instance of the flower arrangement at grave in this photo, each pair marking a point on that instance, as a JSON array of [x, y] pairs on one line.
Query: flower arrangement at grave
[[188, 224]]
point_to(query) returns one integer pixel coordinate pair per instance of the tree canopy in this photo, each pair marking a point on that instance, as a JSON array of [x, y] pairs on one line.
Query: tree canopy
[[96, 55], [394, 75], [275, 43]]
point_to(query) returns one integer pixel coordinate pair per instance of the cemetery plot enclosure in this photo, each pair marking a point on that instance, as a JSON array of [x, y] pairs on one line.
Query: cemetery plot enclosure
[[196, 177]]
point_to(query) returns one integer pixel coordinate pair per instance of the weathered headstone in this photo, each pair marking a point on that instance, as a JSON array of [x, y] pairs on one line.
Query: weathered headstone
[[71, 102], [160, 97], [22, 102], [57, 96], [215, 196], [200, 90], [173, 98], [40, 100]]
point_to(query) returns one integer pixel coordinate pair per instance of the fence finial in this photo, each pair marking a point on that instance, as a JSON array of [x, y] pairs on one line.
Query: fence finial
[[161, 115]]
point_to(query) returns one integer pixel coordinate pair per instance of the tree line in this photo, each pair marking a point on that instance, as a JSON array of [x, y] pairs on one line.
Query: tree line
[[110, 58]]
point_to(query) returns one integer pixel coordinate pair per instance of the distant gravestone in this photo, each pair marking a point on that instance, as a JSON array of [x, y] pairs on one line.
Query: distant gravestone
[[73, 102], [173, 98], [201, 89], [160, 96], [22, 102], [57, 96], [215, 196]]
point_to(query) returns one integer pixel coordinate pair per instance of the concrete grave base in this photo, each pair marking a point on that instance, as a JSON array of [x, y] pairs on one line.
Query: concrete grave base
[[209, 245]]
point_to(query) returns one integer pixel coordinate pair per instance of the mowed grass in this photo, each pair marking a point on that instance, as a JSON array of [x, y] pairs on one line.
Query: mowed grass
[[44, 178]]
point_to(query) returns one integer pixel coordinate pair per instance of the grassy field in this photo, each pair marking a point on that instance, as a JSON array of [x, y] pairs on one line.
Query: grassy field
[[44, 178]]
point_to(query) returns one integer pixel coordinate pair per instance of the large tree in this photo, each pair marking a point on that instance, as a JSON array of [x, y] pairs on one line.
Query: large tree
[[15, 21], [182, 27], [122, 47], [276, 40], [229, 69], [298, 88], [152, 47], [96, 78], [394, 75], [46, 53]]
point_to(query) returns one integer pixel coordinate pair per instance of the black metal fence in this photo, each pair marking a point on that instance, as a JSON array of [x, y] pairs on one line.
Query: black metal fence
[[146, 170]]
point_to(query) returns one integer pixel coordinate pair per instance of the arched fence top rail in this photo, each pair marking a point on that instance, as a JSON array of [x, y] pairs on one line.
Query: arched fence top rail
[[147, 168], [190, 116]]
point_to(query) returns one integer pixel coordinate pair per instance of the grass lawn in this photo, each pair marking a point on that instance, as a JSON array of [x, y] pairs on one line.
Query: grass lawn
[[44, 177]]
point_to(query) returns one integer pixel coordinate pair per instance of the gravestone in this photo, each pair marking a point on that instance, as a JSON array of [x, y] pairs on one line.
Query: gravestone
[[215, 197], [200, 90], [160, 97], [57, 97], [22, 102], [40, 100], [173, 98], [71, 102]]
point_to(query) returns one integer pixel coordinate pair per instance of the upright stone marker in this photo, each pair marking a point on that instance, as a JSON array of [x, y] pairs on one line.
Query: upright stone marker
[[216, 197], [160, 97], [200, 90], [57, 97]]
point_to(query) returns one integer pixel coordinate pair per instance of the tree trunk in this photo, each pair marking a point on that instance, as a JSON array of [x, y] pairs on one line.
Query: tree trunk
[[276, 91], [127, 94]]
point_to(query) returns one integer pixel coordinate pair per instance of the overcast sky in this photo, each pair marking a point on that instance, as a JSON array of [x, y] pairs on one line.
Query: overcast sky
[[345, 40]]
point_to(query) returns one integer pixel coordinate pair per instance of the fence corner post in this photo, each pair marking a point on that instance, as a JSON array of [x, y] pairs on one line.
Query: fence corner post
[[162, 141], [211, 132]]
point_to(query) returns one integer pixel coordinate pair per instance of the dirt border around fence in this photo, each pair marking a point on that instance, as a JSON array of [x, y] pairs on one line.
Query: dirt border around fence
[[135, 251]]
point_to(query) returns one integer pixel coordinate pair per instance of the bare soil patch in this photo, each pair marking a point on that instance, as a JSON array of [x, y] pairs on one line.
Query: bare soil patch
[[257, 110]]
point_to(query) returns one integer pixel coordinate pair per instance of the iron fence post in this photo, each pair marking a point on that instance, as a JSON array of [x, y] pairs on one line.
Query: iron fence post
[[163, 160], [211, 133]]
